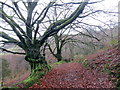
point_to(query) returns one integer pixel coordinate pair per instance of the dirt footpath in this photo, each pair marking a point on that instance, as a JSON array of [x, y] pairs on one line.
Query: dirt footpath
[[74, 75]]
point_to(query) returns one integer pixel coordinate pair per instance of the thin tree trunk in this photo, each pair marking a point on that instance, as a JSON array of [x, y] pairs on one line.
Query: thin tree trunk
[[58, 56]]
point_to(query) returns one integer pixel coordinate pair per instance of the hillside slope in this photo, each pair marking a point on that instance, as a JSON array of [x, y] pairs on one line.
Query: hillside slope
[[74, 75], [107, 61]]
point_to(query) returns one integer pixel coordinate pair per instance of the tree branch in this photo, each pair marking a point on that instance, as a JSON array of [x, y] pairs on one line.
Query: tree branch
[[3, 49], [10, 21], [5, 36], [50, 49], [12, 9], [91, 13], [39, 21], [55, 27], [31, 6], [17, 9], [77, 3], [6, 28]]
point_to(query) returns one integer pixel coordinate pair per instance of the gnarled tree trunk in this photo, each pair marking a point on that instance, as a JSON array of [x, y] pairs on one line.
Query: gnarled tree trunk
[[36, 60], [39, 67]]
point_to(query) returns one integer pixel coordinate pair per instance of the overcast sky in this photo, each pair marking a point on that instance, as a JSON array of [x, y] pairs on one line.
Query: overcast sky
[[105, 5]]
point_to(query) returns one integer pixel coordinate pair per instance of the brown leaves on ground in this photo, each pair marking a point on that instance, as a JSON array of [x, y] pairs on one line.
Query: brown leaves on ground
[[108, 60], [73, 75]]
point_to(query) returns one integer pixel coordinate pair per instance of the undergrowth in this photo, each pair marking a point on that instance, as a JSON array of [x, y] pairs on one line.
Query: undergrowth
[[106, 61]]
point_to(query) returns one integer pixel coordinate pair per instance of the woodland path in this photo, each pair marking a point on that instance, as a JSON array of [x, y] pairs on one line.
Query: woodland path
[[74, 75]]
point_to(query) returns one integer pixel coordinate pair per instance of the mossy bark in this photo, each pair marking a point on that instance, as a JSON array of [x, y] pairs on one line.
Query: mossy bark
[[38, 67], [38, 70]]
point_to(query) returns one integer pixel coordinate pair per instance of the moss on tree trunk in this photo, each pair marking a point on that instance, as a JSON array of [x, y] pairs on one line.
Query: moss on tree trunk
[[38, 70]]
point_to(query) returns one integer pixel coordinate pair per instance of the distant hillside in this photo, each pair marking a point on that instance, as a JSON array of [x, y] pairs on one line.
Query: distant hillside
[[17, 65]]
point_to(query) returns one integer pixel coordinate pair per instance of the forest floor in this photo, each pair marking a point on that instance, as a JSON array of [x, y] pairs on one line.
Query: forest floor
[[96, 74], [93, 74], [73, 75]]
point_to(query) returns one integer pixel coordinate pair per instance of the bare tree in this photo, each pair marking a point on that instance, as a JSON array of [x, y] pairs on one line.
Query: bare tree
[[56, 45], [29, 38], [60, 39]]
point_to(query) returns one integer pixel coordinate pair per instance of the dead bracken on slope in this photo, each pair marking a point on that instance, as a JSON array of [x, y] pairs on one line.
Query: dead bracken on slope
[[73, 75], [107, 61]]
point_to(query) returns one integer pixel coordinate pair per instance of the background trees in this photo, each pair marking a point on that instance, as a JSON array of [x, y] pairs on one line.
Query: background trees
[[93, 34], [6, 69], [86, 39]]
